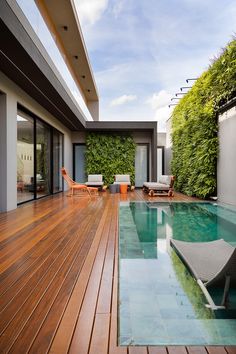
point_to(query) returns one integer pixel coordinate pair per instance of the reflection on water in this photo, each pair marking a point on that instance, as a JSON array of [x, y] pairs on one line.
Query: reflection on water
[[160, 302]]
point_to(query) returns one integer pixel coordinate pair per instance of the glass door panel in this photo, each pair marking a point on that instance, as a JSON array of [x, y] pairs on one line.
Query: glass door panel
[[25, 158], [79, 163], [141, 165], [43, 159], [57, 161], [160, 163]]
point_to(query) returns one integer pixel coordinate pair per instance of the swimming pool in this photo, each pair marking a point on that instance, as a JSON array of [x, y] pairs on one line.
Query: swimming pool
[[159, 301]]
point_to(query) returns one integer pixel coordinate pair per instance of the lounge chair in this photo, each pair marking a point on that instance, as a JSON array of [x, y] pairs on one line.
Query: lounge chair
[[163, 187], [76, 186], [95, 181], [211, 263], [122, 179]]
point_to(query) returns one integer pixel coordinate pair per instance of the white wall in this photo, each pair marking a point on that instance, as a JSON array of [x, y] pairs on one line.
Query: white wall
[[226, 167], [12, 95]]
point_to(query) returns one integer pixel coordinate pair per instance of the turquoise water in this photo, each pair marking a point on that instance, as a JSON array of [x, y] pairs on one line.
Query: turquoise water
[[159, 301]]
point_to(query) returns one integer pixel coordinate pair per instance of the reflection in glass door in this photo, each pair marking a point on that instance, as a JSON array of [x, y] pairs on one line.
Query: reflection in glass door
[[79, 163], [25, 158], [43, 158], [141, 165], [57, 161]]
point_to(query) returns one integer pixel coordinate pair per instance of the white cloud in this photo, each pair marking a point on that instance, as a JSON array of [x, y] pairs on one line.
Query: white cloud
[[90, 11], [159, 103], [160, 99], [123, 99]]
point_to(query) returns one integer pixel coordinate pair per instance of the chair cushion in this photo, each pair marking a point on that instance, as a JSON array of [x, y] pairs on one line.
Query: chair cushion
[[122, 178], [127, 183], [95, 178], [165, 179], [92, 183], [156, 186]]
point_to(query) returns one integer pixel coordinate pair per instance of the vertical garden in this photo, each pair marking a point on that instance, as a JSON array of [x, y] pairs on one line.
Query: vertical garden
[[110, 154], [195, 126]]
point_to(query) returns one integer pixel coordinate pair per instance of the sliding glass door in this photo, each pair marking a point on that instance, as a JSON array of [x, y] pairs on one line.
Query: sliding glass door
[[79, 163], [39, 158], [43, 158], [141, 164], [25, 158], [57, 161]]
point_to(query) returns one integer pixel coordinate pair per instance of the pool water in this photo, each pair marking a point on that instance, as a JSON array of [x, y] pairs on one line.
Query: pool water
[[159, 301]]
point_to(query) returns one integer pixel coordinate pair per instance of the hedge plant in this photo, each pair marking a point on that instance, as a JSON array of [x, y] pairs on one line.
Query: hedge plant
[[194, 126], [108, 155]]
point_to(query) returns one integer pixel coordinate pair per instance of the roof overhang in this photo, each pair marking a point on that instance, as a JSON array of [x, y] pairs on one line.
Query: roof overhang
[[122, 126], [62, 21], [24, 60]]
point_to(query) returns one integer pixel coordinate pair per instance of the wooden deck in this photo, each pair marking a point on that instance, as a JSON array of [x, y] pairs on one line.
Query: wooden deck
[[58, 278]]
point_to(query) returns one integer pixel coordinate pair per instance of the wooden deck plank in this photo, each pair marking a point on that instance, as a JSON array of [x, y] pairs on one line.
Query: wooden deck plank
[[157, 350], [45, 256], [47, 286], [63, 336], [231, 350], [105, 291], [196, 350], [138, 350], [99, 341], [32, 238], [47, 331], [57, 295], [82, 334], [176, 350], [216, 350], [14, 221], [113, 345]]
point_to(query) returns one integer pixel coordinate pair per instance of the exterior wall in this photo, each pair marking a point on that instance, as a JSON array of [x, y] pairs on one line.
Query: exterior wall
[[12, 95], [226, 167], [168, 149], [161, 139]]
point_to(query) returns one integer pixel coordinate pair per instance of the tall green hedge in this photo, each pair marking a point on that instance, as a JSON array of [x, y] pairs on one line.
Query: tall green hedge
[[108, 155], [194, 126]]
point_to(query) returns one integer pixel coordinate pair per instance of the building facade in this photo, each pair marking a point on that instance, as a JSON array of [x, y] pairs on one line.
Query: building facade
[[45, 111]]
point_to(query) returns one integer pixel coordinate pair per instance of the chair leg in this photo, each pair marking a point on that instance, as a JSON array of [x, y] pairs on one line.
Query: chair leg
[[226, 290], [89, 192], [211, 305]]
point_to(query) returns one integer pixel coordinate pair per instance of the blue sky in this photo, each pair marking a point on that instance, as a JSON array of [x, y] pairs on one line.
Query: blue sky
[[142, 51]]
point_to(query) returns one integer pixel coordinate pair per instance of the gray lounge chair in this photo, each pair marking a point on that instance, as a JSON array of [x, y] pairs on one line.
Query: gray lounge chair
[[211, 263]]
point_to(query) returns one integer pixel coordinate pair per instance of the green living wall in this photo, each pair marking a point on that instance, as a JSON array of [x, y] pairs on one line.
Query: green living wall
[[194, 126], [109, 155]]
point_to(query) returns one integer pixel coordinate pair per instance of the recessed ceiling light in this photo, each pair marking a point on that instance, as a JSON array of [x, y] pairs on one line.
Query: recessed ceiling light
[[83, 76], [89, 90], [65, 28], [76, 57]]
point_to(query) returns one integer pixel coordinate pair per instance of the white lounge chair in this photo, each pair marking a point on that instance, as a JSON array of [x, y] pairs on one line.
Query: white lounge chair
[[122, 179], [164, 186], [95, 181]]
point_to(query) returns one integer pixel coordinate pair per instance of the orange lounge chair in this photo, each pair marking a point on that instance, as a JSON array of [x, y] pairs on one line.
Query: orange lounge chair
[[76, 186]]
